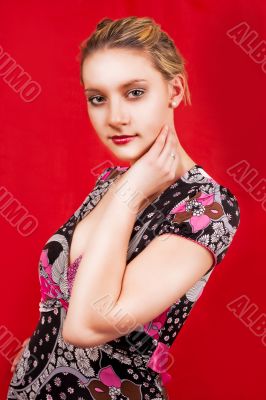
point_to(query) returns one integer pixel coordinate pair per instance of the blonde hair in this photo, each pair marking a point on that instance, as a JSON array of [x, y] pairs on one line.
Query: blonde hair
[[138, 33]]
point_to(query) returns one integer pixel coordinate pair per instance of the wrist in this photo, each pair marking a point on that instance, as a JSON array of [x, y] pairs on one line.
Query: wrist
[[126, 193]]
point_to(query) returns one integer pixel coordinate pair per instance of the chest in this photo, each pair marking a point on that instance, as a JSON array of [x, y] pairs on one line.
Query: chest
[[85, 228]]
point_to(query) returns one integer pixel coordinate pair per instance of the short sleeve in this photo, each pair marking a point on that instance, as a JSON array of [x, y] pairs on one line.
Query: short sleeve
[[209, 219], [103, 176]]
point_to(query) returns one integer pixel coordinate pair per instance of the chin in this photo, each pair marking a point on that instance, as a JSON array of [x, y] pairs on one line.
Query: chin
[[130, 154], [125, 157]]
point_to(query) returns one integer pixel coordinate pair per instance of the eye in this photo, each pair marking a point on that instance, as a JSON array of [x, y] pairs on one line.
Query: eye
[[137, 90], [90, 99]]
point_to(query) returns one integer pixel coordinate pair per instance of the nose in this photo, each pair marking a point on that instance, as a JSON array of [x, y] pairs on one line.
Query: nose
[[118, 114]]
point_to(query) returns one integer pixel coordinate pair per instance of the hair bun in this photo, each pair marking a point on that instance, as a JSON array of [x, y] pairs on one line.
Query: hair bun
[[103, 23]]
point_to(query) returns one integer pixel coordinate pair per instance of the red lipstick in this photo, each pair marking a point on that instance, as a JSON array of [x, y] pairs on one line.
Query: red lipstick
[[123, 139]]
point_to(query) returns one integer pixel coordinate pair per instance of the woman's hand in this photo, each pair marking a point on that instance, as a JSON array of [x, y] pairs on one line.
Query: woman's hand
[[16, 359], [156, 169]]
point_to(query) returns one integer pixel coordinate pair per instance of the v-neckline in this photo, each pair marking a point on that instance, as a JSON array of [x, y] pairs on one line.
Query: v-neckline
[[121, 170]]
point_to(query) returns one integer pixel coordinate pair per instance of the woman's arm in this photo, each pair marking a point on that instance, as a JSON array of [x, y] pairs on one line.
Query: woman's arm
[[110, 299], [99, 277]]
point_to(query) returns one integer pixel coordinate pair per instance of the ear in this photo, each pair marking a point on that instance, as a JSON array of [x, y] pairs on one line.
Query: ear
[[176, 89]]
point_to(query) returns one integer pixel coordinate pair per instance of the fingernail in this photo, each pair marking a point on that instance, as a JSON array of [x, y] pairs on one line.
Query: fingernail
[[165, 131]]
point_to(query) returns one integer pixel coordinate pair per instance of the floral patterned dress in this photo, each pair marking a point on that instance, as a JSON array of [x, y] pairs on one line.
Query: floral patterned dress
[[134, 366]]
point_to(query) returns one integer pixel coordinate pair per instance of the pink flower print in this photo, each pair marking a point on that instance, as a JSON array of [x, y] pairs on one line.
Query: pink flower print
[[158, 361], [109, 386], [106, 175], [199, 210], [109, 377], [49, 289]]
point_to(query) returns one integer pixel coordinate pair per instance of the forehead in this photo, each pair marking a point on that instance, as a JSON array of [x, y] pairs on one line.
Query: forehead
[[111, 68]]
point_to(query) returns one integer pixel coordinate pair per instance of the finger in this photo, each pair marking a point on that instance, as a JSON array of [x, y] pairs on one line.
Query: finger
[[167, 149], [15, 361], [171, 166], [157, 146], [14, 365], [26, 341], [170, 147]]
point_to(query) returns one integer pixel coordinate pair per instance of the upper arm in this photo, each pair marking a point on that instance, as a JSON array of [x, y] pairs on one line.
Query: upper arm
[[158, 276]]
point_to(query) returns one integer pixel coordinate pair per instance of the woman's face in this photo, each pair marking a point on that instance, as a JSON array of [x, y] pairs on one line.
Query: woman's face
[[117, 107]]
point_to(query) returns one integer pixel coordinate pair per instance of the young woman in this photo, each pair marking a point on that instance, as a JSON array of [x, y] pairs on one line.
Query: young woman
[[119, 278]]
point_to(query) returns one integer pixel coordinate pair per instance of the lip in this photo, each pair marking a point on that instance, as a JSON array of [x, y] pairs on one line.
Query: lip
[[123, 139]]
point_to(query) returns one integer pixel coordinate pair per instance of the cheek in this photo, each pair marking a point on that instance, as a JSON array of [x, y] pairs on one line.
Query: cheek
[[96, 119], [153, 127], [92, 115], [154, 113]]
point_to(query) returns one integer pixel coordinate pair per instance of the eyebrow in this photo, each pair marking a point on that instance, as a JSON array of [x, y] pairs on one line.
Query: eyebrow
[[124, 85]]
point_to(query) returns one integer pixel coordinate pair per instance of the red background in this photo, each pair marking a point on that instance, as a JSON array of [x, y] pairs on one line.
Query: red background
[[48, 150]]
